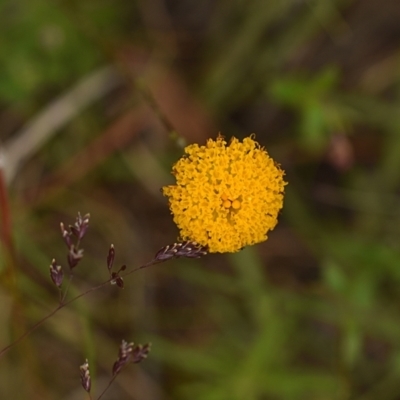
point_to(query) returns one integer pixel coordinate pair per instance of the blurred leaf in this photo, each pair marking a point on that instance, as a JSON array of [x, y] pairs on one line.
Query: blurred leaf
[[334, 277], [309, 97], [312, 127], [40, 46], [351, 343]]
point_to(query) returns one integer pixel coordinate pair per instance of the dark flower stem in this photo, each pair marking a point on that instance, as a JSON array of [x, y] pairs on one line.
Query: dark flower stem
[[107, 387], [62, 298], [64, 304]]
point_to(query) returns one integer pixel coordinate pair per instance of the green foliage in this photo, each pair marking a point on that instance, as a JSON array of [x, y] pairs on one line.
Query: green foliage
[[311, 99], [40, 47]]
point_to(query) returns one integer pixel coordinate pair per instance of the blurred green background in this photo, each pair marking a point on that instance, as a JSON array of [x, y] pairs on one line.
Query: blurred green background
[[98, 99]]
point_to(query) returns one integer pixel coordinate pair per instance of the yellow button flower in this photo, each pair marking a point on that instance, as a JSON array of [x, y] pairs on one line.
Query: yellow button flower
[[226, 196]]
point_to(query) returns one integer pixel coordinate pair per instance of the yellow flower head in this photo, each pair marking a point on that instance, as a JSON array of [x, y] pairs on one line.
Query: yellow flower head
[[226, 196]]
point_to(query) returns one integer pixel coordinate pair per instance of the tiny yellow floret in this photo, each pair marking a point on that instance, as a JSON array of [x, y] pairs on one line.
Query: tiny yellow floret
[[226, 196], [236, 204], [227, 203]]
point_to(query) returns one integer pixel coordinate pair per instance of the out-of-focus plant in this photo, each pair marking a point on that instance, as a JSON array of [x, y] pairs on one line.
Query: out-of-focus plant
[[313, 100]]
